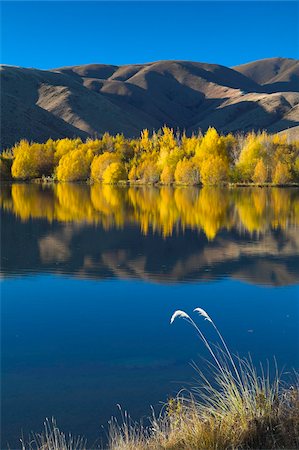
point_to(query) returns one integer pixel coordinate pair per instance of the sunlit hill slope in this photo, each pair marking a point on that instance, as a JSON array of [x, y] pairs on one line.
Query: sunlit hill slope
[[91, 99]]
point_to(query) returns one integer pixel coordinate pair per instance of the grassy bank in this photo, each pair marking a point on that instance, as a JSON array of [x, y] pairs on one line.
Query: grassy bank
[[234, 408]]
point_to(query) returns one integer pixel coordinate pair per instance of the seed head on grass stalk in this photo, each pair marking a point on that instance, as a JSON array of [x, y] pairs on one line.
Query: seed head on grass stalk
[[182, 314]]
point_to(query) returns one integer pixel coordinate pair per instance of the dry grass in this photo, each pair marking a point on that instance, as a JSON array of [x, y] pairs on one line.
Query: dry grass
[[53, 439]]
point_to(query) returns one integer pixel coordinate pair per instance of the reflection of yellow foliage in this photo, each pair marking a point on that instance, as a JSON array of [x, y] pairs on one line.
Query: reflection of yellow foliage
[[110, 203], [162, 210], [73, 203], [252, 206], [212, 209], [30, 201]]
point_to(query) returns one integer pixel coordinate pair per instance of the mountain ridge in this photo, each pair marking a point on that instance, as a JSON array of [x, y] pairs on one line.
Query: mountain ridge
[[87, 100]]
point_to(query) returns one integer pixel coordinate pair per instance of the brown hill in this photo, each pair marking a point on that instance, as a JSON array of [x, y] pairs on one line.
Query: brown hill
[[274, 74], [91, 99]]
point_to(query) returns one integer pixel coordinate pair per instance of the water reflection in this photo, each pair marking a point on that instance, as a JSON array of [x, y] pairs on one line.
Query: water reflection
[[163, 210], [161, 234]]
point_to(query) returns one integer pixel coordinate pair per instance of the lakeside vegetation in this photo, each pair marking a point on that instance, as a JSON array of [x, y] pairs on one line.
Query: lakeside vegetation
[[234, 407], [164, 157]]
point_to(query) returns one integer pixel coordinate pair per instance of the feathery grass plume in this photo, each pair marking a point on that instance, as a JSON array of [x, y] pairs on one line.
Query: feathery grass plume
[[179, 313], [206, 316], [183, 315]]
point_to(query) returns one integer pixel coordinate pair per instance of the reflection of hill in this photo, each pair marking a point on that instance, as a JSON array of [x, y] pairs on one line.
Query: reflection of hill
[[105, 232]]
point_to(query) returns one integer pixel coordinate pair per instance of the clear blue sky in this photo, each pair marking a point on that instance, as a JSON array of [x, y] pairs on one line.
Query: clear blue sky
[[52, 34]]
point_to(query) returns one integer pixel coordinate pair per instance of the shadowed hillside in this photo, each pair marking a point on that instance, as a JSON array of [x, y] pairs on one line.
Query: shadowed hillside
[[89, 100]]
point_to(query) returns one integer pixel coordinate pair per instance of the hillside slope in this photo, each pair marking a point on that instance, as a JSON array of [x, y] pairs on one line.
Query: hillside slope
[[91, 99]]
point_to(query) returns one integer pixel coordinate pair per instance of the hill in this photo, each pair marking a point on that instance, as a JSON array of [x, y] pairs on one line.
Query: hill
[[91, 99]]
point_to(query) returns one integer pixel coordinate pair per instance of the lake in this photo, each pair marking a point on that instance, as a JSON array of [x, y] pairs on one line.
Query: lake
[[90, 276]]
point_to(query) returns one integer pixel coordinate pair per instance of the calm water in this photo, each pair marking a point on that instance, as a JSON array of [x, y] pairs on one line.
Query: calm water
[[91, 276]]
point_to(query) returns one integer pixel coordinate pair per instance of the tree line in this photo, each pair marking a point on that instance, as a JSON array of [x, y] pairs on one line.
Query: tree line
[[166, 157]]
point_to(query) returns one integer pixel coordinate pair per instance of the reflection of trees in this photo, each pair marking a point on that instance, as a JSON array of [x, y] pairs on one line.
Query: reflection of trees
[[73, 203], [253, 209], [161, 209], [32, 201], [110, 203]]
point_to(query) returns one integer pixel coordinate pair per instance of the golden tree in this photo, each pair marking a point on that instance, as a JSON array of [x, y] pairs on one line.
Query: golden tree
[[186, 173], [114, 173], [32, 160], [281, 174], [260, 172], [167, 175], [75, 165], [214, 170], [100, 164]]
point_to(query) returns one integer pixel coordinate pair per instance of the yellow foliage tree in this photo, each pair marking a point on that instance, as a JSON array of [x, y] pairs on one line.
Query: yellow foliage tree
[[149, 172], [75, 165], [64, 146], [167, 175], [211, 145], [252, 151], [214, 171], [260, 172], [133, 174], [100, 164], [186, 173], [32, 160], [114, 173], [281, 174]]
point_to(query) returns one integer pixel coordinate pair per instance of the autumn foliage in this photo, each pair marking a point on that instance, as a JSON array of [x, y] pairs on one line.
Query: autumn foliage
[[162, 157]]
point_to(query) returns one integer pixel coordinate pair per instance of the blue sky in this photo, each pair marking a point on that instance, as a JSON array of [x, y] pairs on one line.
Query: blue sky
[[53, 34]]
